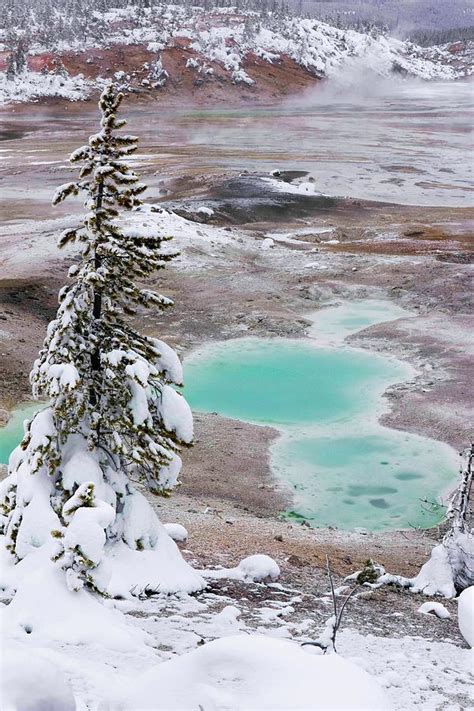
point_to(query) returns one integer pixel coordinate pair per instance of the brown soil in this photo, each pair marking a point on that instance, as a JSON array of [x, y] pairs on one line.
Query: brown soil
[[241, 450], [273, 81]]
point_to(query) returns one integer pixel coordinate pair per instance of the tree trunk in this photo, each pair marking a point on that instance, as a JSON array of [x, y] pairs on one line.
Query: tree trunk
[[97, 308]]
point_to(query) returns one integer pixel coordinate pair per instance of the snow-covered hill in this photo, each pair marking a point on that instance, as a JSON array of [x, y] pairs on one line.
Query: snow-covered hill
[[169, 46]]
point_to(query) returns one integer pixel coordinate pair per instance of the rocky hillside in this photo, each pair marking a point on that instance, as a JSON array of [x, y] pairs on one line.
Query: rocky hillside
[[191, 51]]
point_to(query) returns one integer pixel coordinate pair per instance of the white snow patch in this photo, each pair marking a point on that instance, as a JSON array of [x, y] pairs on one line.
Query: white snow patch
[[33, 683], [302, 188], [255, 672], [176, 531], [255, 567], [434, 607], [466, 614], [268, 243], [203, 210]]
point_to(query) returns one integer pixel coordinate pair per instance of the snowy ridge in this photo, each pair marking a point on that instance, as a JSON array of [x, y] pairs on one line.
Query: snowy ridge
[[223, 43]]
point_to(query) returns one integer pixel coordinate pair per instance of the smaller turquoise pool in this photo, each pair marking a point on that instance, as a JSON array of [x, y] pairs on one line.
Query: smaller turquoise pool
[[375, 480]]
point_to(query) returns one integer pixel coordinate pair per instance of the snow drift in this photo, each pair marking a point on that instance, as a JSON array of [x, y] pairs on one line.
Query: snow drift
[[254, 672]]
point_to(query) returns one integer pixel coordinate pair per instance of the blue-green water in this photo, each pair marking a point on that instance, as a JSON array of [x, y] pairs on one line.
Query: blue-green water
[[332, 324], [374, 480], [344, 468], [12, 433], [283, 382]]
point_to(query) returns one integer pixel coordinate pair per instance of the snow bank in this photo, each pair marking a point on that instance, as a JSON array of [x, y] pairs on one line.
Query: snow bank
[[436, 608], [43, 609], [32, 683], [256, 568], [185, 232], [304, 187], [466, 615], [176, 531], [254, 672], [161, 569]]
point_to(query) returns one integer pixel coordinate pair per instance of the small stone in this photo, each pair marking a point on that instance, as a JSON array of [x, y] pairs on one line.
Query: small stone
[[279, 538], [4, 416], [296, 561]]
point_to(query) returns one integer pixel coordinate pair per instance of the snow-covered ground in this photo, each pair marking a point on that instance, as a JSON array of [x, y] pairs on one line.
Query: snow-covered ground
[[153, 656], [29, 86]]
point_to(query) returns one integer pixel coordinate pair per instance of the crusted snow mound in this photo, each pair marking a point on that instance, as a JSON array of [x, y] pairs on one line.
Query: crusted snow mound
[[254, 568], [258, 567], [176, 531], [466, 614], [255, 672], [33, 684], [435, 608]]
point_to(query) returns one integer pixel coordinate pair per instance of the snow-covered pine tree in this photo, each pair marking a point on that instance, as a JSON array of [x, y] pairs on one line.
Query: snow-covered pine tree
[[113, 412], [158, 76]]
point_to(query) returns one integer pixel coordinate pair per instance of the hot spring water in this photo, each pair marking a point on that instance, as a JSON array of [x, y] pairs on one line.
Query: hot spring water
[[325, 398], [11, 434]]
